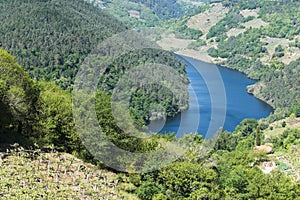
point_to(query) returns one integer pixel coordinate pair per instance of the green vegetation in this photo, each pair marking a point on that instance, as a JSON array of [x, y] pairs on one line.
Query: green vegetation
[[51, 42], [180, 28], [51, 38], [132, 14], [281, 87], [18, 97], [41, 112], [231, 20], [230, 170], [145, 98], [195, 45], [141, 13], [165, 9], [36, 174], [248, 51]]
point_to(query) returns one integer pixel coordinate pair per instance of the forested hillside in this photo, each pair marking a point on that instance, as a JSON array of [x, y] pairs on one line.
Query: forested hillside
[[141, 13], [50, 39], [252, 51], [44, 42], [165, 9], [230, 168], [259, 38], [258, 160]]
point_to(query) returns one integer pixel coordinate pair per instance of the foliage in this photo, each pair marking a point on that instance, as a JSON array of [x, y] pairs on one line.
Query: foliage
[[195, 45], [281, 87], [51, 38], [230, 21], [121, 10], [54, 38], [295, 110], [18, 96], [247, 127], [244, 51], [148, 190], [144, 100], [287, 139], [55, 124], [165, 9], [34, 174], [181, 30], [181, 179], [43, 111]]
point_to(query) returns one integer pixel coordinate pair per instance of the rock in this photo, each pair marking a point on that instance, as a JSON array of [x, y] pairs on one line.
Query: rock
[[267, 148]]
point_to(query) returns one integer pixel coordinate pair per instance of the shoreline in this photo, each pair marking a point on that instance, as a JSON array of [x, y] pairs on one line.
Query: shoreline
[[251, 89]]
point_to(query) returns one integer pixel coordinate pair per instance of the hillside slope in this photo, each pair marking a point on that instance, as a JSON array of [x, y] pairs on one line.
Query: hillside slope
[[258, 38], [33, 174], [51, 38]]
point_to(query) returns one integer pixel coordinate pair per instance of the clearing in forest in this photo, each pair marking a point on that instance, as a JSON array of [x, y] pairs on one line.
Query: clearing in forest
[[204, 21]]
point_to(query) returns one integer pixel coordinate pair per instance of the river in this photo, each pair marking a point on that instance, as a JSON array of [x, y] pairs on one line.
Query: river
[[218, 99]]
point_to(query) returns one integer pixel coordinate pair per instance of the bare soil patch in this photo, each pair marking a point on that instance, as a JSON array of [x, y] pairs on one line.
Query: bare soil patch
[[290, 53], [204, 21], [235, 32], [255, 23], [171, 43], [248, 13]]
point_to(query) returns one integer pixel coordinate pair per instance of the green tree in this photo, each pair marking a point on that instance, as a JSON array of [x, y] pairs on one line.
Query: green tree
[[258, 136], [246, 127], [148, 190], [18, 96], [180, 179], [55, 123]]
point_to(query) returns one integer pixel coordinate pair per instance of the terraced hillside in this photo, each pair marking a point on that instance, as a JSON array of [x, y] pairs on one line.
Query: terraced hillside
[[259, 38], [33, 174]]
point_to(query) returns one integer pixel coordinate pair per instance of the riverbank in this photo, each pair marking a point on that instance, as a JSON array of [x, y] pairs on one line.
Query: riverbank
[[251, 89], [220, 101]]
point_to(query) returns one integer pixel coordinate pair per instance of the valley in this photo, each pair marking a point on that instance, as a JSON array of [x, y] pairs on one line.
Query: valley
[[64, 135]]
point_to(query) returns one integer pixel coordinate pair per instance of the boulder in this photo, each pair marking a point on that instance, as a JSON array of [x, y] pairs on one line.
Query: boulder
[[267, 148]]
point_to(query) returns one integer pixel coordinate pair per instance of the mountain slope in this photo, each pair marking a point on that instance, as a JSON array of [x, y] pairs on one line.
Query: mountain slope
[[258, 38], [53, 175], [51, 38]]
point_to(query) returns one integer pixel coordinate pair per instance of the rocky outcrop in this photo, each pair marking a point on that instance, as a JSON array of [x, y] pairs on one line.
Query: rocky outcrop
[[267, 148]]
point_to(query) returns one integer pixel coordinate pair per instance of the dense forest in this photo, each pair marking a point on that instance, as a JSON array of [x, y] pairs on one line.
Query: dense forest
[[59, 34], [53, 39], [43, 44], [164, 9]]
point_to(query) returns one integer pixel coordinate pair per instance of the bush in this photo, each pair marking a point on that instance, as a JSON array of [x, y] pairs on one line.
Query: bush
[[148, 190]]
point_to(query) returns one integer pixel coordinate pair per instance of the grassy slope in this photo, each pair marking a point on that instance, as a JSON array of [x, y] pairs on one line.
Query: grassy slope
[[35, 175]]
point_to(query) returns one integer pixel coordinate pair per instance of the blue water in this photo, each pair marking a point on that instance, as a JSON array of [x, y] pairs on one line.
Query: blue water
[[218, 99]]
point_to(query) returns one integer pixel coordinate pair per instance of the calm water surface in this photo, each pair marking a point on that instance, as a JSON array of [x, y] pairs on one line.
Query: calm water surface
[[218, 98]]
